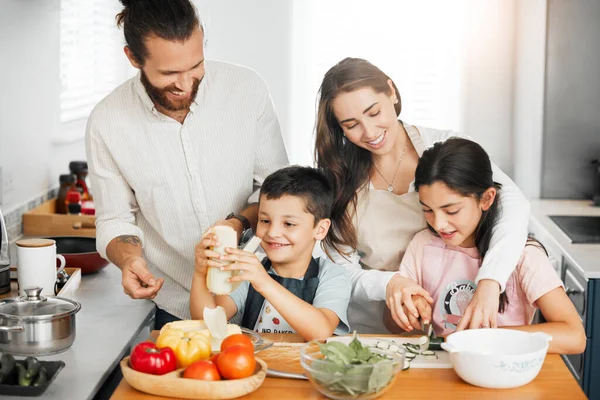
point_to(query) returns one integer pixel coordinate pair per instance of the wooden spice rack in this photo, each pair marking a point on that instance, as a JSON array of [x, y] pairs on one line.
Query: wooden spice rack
[[44, 221]]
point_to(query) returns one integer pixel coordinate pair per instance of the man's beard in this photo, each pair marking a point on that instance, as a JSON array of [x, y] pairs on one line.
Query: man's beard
[[159, 96]]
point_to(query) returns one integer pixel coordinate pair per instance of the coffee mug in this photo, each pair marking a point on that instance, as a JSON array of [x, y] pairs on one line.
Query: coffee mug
[[36, 265]]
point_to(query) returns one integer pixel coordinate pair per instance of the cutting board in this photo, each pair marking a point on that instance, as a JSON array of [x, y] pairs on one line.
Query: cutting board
[[420, 361], [285, 356]]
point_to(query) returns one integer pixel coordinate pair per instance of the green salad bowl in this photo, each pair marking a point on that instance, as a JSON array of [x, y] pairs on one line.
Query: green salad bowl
[[339, 376]]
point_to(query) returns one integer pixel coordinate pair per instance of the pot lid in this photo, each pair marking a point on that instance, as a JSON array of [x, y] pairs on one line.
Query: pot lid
[[33, 305]]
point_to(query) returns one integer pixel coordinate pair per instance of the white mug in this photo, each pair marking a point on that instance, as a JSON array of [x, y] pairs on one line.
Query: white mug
[[36, 265]]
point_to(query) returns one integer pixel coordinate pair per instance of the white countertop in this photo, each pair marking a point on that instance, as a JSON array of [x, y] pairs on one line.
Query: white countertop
[[586, 257], [106, 326]]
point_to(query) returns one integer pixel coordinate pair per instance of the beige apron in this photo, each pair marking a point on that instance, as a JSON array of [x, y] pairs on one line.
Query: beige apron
[[385, 224]]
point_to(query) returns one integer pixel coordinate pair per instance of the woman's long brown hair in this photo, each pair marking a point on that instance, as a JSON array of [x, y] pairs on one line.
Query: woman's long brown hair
[[346, 165]]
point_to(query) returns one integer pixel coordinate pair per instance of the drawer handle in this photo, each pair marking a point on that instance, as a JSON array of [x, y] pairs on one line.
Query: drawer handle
[[570, 291]]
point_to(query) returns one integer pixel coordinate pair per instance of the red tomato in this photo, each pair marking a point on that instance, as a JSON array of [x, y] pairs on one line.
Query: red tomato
[[202, 370], [237, 340], [236, 362], [214, 358]]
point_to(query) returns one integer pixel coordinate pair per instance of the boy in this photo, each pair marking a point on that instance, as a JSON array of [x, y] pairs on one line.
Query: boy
[[290, 292]]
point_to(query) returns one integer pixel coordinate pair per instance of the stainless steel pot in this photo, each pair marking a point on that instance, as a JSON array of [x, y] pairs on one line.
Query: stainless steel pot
[[36, 325]]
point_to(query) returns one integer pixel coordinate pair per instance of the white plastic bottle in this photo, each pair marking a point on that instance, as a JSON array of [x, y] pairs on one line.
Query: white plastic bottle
[[217, 280]]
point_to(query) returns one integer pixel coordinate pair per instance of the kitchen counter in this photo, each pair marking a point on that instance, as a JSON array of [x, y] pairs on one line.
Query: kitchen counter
[[108, 323], [553, 382], [585, 257]]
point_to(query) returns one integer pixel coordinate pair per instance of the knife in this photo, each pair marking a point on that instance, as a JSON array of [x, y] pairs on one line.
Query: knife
[[273, 373]]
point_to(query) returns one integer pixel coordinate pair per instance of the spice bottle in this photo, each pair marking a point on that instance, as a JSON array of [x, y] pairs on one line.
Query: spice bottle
[[67, 182], [74, 202], [80, 169]]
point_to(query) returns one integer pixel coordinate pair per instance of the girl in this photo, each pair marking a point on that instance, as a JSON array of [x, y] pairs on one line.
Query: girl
[[459, 199], [371, 157]]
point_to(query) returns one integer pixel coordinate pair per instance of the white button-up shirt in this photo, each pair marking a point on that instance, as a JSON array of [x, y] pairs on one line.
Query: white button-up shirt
[[167, 182]]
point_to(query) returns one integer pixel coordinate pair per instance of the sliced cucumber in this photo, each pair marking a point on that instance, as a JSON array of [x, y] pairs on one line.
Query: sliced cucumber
[[410, 356], [406, 365], [436, 343], [382, 345], [393, 348], [428, 353], [432, 357]]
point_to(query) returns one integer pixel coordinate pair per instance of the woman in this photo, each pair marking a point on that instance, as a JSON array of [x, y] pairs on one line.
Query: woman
[[371, 156]]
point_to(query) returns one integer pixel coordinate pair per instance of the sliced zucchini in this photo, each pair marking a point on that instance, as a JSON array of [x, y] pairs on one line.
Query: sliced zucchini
[[382, 345], [410, 356], [432, 357], [428, 353], [436, 343], [393, 348], [406, 365]]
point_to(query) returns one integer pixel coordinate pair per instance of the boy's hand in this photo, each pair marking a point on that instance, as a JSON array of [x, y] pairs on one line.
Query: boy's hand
[[204, 254], [254, 271]]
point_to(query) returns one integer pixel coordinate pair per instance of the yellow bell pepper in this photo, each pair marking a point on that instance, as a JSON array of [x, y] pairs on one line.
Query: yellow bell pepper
[[189, 347]]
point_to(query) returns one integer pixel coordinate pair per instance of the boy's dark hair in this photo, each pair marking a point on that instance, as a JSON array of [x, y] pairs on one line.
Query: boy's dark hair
[[308, 183], [174, 20], [464, 167]]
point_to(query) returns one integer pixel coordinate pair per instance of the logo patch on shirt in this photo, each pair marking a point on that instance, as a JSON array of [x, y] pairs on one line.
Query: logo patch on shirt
[[455, 298]]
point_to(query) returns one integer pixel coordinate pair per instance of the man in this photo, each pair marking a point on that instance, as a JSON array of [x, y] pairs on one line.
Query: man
[[174, 151]]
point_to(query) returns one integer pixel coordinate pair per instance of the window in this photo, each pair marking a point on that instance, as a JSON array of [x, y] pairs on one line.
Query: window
[[92, 62]]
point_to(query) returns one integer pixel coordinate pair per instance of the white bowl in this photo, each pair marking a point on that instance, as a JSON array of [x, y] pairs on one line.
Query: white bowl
[[497, 358]]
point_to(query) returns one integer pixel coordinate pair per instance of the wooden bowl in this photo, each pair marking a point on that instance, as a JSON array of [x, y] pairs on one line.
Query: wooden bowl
[[173, 385]]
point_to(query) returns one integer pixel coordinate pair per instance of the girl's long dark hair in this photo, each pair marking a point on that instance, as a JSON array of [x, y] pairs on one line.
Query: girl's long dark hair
[[464, 167], [346, 166]]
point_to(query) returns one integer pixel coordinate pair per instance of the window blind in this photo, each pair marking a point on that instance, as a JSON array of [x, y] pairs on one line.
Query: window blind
[[91, 55]]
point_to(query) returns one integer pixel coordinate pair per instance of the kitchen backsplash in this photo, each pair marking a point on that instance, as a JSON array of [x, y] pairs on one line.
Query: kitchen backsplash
[[14, 219]]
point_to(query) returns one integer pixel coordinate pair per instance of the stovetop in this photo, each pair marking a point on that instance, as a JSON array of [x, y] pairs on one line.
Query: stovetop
[[579, 229]]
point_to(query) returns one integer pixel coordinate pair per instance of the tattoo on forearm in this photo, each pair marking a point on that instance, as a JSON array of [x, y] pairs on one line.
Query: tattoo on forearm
[[129, 239]]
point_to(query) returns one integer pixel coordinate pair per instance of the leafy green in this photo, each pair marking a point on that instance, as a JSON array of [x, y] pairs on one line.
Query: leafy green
[[352, 369]]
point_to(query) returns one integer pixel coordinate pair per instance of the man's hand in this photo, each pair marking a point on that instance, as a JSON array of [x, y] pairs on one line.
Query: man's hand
[[399, 292], [137, 281], [482, 310], [254, 271]]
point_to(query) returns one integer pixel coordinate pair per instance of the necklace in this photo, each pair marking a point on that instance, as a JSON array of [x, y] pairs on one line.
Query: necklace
[[391, 184]]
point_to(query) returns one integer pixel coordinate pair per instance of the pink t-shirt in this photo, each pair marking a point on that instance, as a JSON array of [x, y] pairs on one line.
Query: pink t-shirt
[[448, 274]]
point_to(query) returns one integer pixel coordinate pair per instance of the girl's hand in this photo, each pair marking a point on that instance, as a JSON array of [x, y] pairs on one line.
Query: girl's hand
[[424, 310], [398, 297], [203, 254], [254, 271], [483, 307]]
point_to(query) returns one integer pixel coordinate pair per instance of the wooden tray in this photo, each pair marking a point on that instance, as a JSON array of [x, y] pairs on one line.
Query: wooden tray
[[173, 385], [44, 221]]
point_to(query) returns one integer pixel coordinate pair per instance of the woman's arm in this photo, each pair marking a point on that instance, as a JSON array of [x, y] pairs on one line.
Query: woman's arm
[[367, 285], [564, 325]]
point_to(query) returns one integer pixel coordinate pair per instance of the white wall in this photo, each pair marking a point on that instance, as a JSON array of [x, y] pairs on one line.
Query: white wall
[[29, 100], [487, 95], [530, 52], [256, 34]]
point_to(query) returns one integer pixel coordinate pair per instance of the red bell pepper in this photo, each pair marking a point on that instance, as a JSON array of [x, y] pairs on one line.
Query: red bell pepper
[[147, 358]]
